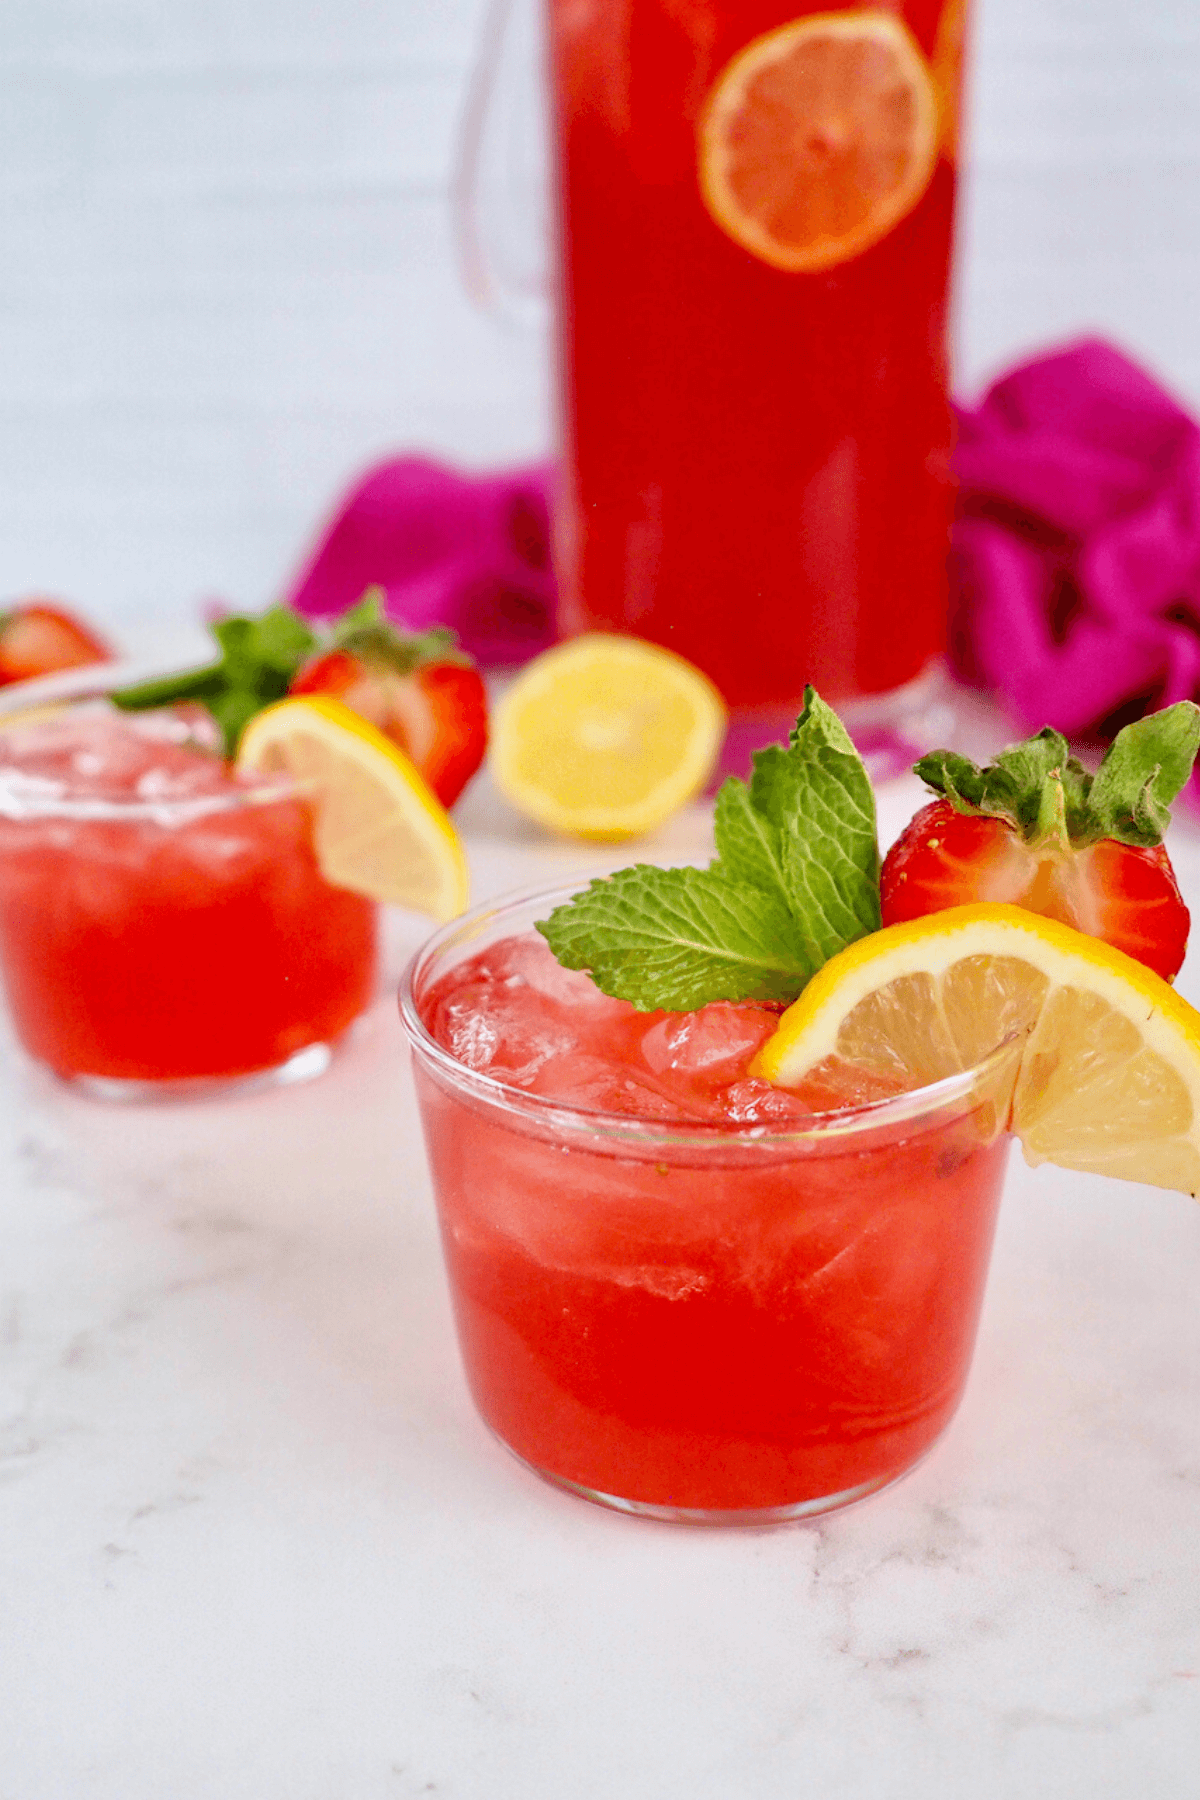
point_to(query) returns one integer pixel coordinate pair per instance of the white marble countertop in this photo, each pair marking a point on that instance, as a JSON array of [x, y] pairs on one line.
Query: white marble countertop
[[255, 1544]]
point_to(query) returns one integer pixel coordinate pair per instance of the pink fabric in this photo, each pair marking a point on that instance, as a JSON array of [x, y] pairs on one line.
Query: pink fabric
[[472, 552], [1076, 563], [1075, 566]]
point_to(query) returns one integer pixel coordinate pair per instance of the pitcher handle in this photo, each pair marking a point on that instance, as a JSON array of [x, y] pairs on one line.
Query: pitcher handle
[[500, 191]]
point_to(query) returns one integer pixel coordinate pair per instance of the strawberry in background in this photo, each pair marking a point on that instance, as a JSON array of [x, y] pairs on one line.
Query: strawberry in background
[[418, 688], [38, 637]]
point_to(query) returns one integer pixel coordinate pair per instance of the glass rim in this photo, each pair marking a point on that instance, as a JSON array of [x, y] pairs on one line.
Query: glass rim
[[917, 1106], [25, 804]]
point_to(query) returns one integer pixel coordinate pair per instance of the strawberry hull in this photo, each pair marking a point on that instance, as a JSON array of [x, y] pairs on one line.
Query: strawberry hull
[[695, 1320]]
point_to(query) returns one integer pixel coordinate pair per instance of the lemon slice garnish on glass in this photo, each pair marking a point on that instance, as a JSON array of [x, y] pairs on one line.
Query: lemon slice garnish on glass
[[1109, 1077], [818, 138], [379, 828], [604, 737]]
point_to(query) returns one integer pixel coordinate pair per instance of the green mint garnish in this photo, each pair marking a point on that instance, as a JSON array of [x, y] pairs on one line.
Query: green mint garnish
[[1045, 793], [259, 657], [795, 880], [805, 830]]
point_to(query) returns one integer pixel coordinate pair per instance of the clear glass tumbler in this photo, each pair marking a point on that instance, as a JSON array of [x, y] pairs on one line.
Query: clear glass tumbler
[[164, 926], [701, 1323]]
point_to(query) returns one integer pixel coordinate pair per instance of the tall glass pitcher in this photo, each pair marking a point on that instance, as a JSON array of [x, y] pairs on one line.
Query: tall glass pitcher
[[752, 209]]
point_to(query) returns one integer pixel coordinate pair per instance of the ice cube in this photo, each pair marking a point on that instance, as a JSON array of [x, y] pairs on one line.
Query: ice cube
[[755, 1102], [530, 960], [835, 1084], [98, 752], [510, 1032], [713, 1045], [595, 1084]]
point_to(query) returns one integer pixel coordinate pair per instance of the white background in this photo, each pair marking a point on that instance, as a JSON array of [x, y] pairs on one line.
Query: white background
[[227, 279]]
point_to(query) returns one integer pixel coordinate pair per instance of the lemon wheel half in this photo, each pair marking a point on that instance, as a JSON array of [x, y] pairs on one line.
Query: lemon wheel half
[[604, 736]]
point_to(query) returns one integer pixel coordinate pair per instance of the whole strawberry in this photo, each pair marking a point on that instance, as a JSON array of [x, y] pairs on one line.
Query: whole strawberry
[[1036, 829], [421, 691], [38, 637]]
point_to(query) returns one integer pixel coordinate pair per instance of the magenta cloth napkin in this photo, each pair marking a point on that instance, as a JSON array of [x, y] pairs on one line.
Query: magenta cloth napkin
[[1076, 560], [472, 552]]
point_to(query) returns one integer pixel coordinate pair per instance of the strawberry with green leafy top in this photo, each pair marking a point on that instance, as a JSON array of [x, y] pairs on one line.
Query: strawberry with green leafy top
[[1035, 829], [419, 689]]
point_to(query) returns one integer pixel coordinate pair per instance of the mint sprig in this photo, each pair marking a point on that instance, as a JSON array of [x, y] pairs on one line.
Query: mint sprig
[[809, 814], [259, 657], [796, 879], [1045, 793]]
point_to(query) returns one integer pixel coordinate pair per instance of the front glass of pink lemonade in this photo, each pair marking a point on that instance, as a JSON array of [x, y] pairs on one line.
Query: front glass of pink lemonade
[[164, 923], [678, 1290], [756, 202]]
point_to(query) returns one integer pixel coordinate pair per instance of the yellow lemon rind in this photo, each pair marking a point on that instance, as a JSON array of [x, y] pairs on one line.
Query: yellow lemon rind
[[408, 810], [1160, 1029]]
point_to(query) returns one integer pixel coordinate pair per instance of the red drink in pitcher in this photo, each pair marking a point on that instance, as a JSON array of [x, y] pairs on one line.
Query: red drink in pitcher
[[679, 1290], [756, 206], [163, 920]]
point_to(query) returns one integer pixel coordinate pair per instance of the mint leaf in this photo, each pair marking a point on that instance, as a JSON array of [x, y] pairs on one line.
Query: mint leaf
[[259, 657], [1145, 767], [191, 684], [278, 640], [678, 938], [796, 879], [805, 831], [821, 793], [749, 841]]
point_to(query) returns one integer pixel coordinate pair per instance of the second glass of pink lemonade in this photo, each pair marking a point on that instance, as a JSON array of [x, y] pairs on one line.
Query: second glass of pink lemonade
[[164, 924]]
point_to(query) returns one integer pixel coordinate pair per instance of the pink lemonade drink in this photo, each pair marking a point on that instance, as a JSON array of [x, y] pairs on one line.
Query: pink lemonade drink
[[757, 439], [162, 920], [679, 1290]]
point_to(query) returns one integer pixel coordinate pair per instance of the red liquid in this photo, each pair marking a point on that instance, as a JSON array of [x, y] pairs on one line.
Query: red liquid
[[757, 461], [142, 950], [697, 1328]]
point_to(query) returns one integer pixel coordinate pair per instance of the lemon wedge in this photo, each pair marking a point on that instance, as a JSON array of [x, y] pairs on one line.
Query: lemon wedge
[[1109, 1078], [604, 737], [380, 830]]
